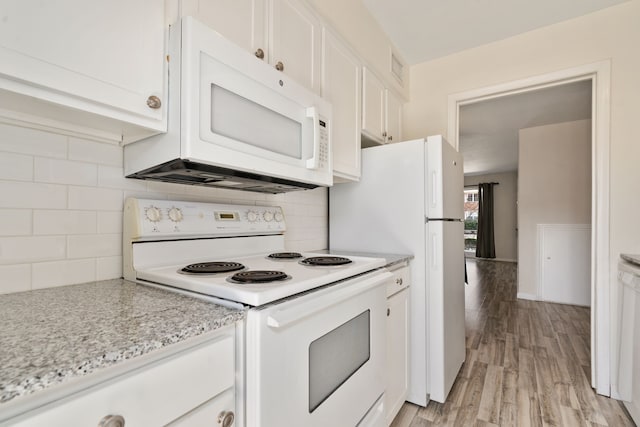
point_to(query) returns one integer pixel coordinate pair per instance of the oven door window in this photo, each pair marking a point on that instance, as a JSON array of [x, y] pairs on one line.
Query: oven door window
[[336, 356], [241, 119]]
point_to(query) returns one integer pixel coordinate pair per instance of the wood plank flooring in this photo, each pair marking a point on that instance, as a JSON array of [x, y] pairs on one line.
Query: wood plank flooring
[[527, 363]]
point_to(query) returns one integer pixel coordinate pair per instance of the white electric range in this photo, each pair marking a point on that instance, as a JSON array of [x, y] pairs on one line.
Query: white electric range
[[314, 335]]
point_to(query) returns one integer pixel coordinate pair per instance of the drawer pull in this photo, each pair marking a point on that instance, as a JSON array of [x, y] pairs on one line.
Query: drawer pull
[[399, 281], [226, 418], [388, 312], [154, 102], [279, 66], [112, 421], [259, 53]]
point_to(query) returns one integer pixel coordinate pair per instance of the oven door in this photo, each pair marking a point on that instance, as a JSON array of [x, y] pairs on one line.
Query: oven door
[[242, 114], [318, 360]]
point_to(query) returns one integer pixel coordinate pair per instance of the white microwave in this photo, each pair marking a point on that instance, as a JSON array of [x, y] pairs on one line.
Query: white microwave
[[234, 122]]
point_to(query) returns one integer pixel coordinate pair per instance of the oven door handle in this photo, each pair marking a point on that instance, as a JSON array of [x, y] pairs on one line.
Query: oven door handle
[[286, 317]]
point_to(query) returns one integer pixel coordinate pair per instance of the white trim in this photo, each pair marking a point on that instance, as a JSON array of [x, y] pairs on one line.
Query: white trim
[[530, 297], [600, 75]]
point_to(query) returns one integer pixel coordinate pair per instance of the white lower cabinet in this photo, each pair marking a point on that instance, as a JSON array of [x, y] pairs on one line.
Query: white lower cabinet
[[180, 390], [397, 343]]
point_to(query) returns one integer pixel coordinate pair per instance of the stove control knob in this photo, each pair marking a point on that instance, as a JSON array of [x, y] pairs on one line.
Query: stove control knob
[[252, 216], [278, 216], [268, 216], [153, 214], [175, 214]]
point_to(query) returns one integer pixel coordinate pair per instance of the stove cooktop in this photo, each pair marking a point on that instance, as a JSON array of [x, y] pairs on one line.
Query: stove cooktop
[[293, 277]]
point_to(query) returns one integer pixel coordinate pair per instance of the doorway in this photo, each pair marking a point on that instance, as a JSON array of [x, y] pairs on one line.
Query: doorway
[[598, 74]]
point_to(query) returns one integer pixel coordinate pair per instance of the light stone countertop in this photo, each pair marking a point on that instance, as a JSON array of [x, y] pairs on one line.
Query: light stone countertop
[[50, 336]]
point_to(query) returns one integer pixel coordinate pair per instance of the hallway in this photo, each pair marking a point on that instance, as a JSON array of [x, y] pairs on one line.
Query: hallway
[[527, 363]]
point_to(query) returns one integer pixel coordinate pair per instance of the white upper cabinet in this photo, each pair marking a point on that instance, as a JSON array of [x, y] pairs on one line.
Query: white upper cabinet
[[373, 100], [393, 108], [381, 111], [244, 22], [341, 86], [106, 58], [285, 33]]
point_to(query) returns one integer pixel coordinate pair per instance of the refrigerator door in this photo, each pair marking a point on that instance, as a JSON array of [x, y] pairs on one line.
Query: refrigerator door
[[445, 271], [445, 180]]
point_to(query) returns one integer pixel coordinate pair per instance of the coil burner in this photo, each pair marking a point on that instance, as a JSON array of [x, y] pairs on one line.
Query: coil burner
[[258, 276], [284, 255], [213, 267], [325, 261]]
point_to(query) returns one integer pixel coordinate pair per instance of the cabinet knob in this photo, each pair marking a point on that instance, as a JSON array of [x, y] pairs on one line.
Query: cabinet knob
[[388, 312], [399, 281], [384, 134], [279, 66], [226, 418], [111, 421], [390, 137], [154, 102], [259, 53]]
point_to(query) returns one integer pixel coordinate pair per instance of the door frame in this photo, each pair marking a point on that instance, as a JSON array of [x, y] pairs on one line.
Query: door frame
[[600, 75]]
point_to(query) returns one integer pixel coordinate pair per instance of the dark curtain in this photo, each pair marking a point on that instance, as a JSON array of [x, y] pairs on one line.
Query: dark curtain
[[485, 243]]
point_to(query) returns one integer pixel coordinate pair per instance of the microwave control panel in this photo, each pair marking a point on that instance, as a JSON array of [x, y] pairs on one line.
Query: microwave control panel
[[324, 145]]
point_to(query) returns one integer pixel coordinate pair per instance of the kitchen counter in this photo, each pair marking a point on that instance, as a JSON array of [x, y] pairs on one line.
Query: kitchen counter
[[391, 259], [633, 259], [51, 336]]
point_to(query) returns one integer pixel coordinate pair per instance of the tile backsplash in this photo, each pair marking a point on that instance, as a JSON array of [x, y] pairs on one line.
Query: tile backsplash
[[61, 201]]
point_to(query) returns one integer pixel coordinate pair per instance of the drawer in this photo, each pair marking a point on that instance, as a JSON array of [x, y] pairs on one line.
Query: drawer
[[401, 279], [153, 395], [211, 413]]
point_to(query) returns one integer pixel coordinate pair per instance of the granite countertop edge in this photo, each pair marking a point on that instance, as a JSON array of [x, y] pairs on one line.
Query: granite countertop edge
[[632, 258], [136, 320]]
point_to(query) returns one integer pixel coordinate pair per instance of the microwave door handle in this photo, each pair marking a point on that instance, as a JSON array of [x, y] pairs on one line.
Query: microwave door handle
[[302, 310], [314, 161]]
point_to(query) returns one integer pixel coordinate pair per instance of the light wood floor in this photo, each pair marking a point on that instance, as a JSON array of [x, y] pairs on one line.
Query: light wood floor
[[527, 363]]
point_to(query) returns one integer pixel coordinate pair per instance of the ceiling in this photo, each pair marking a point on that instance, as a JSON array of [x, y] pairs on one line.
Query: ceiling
[[423, 30], [489, 129]]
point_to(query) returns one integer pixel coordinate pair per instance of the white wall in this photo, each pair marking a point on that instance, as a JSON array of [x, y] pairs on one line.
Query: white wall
[[554, 187], [505, 211], [612, 33], [61, 201]]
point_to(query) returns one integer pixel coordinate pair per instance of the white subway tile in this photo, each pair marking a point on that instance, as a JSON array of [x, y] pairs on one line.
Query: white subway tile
[[16, 167], [92, 198], [14, 194], [15, 278], [109, 268], [17, 139], [64, 222], [113, 177], [145, 195], [15, 222], [64, 172], [94, 245], [109, 222], [18, 250], [60, 273], [95, 152]]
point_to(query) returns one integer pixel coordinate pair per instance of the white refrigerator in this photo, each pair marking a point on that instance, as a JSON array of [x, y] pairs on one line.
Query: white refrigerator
[[410, 201]]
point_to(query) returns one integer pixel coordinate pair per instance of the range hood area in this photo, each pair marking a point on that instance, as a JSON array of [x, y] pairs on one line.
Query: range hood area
[[181, 171]]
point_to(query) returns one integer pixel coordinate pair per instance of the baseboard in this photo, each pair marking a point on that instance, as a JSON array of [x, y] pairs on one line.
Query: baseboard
[[531, 297]]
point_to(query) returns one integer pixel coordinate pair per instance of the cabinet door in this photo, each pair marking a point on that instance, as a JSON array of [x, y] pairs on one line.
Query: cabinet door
[[393, 117], [244, 22], [397, 345], [373, 106], [294, 42], [341, 87], [105, 57]]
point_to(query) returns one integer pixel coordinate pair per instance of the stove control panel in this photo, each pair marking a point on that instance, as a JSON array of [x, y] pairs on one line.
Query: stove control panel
[[160, 219]]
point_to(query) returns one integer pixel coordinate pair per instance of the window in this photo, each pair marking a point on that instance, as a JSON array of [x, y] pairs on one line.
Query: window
[[470, 219]]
